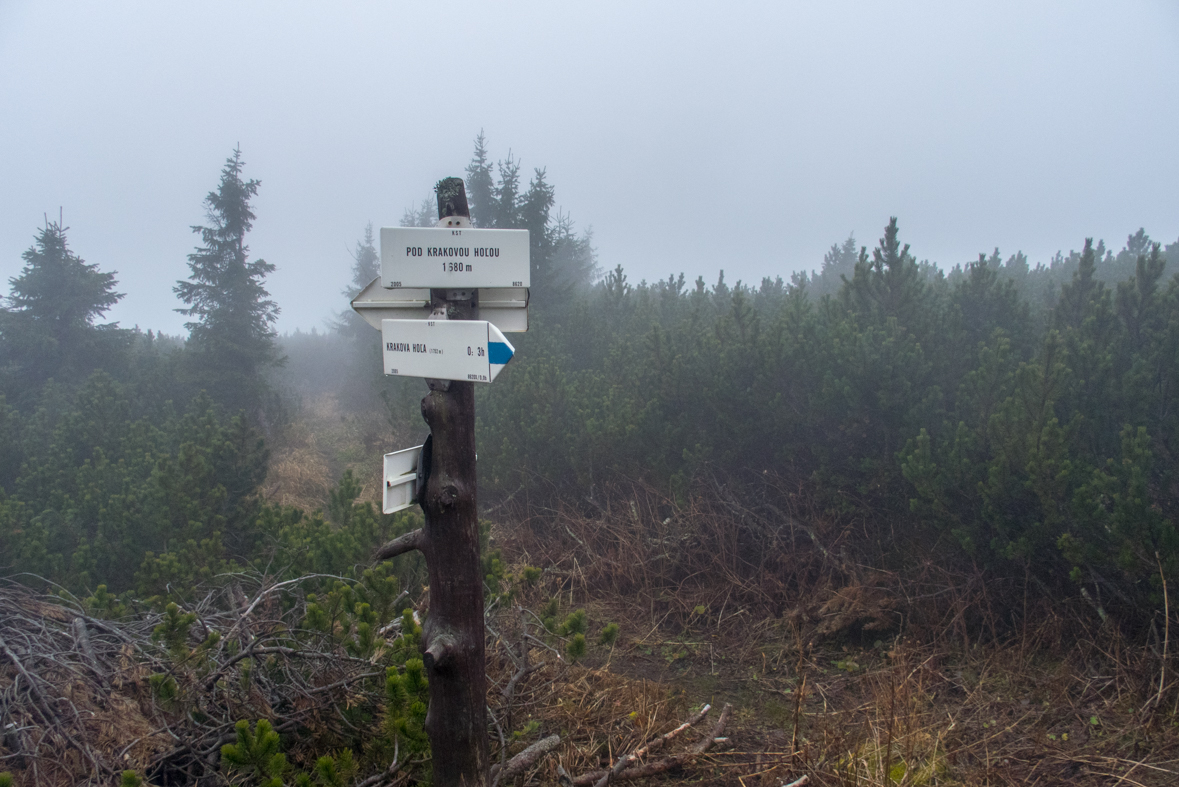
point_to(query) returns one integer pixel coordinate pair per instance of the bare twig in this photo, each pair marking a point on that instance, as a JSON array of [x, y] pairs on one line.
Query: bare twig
[[42, 704], [83, 639], [257, 600], [45, 708], [394, 766], [667, 736], [503, 744], [1166, 631]]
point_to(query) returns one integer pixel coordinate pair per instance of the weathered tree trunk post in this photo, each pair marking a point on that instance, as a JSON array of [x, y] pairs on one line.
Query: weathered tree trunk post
[[453, 634], [452, 637]]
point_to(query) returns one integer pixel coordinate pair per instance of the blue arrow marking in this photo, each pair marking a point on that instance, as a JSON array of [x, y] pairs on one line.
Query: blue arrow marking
[[498, 353]]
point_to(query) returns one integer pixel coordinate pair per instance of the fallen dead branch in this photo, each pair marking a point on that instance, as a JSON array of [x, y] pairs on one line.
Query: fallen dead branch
[[525, 759], [625, 768]]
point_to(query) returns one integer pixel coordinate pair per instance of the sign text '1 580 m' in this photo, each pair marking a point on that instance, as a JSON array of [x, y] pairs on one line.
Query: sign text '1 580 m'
[[460, 258]]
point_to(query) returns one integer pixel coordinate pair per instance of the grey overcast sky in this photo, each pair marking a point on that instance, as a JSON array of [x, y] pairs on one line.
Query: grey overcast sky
[[691, 136]]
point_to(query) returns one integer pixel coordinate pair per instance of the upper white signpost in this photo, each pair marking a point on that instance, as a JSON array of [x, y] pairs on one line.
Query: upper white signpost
[[453, 258]]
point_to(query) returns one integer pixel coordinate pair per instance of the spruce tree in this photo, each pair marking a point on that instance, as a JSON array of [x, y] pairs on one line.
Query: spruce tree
[[480, 186], [507, 195], [48, 327], [424, 214], [572, 260], [839, 265], [561, 260], [889, 285], [231, 337], [366, 266], [366, 262]]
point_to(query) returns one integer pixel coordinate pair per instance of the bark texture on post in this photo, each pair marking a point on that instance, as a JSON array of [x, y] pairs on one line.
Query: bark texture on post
[[452, 637]]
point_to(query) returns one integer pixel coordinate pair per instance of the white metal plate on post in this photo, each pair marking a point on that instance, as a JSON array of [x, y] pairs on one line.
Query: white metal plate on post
[[451, 258], [472, 350], [504, 307], [401, 479], [375, 303]]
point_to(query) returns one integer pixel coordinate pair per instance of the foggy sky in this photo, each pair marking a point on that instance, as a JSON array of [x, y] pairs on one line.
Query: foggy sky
[[691, 136]]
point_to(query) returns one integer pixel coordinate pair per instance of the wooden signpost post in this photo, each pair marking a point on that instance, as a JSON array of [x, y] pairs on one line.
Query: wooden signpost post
[[453, 358]]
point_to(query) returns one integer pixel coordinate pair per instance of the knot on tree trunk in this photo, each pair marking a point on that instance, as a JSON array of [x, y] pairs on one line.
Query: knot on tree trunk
[[431, 403], [448, 496], [440, 652]]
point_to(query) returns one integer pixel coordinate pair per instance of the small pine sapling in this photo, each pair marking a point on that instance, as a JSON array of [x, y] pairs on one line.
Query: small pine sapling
[[575, 648], [256, 753], [383, 589], [316, 617], [104, 605], [338, 771], [575, 623], [495, 578], [365, 641], [528, 731], [245, 675], [410, 641], [609, 635], [165, 690], [548, 615], [342, 500], [406, 698], [173, 630]]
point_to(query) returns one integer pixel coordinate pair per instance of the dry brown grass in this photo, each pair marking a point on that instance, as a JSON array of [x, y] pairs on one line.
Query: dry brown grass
[[317, 445], [848, 674]]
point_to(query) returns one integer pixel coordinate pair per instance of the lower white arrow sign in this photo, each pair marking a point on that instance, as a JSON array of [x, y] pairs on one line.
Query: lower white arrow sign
[[444, 349], [401, 479]]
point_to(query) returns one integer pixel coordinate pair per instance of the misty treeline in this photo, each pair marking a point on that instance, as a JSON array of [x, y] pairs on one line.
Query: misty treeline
[[1019, 420], [131, 461], [1022, 421]]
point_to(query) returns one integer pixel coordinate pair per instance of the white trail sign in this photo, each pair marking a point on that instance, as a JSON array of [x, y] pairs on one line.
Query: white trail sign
[[454, 258], [472, 350]]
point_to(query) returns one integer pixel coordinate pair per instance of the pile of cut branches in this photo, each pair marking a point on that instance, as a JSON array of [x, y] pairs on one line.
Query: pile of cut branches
[[321, 670], [160, 692]]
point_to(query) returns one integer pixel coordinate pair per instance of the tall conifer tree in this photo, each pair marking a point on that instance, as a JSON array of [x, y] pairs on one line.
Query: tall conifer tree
[[888, 285], [561, 260], [49, 326], [366, 266], [481, 186], [231, 337]]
